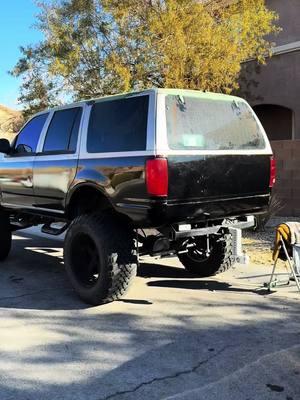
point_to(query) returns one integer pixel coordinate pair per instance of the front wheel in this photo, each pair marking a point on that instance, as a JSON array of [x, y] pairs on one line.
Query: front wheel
[[202, 263], [99, 258]]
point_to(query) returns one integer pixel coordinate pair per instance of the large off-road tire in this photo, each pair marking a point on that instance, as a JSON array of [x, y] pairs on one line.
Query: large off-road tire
[[5, 235], [99, 258], [219, 260]]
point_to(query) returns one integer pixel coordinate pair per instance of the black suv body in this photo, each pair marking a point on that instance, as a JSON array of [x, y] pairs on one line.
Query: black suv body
[[191, 166]]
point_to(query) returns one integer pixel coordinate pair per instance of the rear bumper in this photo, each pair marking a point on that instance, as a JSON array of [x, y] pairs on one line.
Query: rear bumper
[[155, 213], [178, 233]]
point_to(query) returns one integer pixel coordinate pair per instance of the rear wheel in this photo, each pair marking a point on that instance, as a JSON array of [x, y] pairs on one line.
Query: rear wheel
[[99, 258], [200, 262], [5, 235]]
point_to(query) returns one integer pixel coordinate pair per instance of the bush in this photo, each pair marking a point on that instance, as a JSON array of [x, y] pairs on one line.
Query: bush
[[261, 220]]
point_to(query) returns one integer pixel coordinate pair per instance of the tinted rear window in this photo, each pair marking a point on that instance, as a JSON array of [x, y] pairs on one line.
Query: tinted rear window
[[202, 124], [118, 125]]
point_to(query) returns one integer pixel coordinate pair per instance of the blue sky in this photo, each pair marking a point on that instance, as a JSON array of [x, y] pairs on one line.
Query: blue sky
[[16, 20]]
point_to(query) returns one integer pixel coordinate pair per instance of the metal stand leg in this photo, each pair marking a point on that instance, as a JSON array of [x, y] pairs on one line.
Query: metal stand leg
[[291, 265], [296, 259], [272, 275]]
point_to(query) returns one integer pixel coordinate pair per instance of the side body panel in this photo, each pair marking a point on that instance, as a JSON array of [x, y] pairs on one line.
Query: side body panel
[[52, 178], [16, 175], [120, 179], [16, 181], [53, 174]]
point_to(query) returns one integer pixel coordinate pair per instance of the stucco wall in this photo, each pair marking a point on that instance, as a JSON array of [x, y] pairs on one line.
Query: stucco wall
[[277, 82], [287, 187], [289, 17]]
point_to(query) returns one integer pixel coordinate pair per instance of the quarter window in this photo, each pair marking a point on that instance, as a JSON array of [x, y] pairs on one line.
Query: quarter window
[[63, 130], [118, 125], [28, 138]]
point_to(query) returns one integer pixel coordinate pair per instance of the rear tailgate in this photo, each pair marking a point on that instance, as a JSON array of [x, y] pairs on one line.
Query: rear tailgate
[[218, 177], [219, 185]]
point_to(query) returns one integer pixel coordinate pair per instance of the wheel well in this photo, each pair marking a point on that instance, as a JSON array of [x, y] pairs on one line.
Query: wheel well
[[87, 200]]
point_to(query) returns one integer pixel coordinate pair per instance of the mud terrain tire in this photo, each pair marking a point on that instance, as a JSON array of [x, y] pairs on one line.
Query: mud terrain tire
[[99, 258]]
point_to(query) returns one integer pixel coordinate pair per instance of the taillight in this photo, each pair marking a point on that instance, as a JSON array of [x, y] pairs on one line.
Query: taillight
[[157, 177], [272, 172]]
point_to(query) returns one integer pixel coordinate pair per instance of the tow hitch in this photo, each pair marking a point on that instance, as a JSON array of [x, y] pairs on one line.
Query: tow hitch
[[235, 228]]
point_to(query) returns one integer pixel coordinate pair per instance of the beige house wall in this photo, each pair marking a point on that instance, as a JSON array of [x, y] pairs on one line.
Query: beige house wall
[[274, 91], [287, 187], [278, 82]]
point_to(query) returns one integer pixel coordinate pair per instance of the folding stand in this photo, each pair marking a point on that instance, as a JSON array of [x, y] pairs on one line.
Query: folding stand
[[294, 264]]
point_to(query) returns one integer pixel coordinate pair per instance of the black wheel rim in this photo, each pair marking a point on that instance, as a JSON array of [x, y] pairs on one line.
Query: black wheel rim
[[85, 260]]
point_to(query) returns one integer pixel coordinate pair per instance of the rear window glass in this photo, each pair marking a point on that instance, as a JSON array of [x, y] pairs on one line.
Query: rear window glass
[[202, 124], [118, 125]]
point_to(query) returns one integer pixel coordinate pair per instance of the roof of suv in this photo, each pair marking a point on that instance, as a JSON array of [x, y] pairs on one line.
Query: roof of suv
[[183, 92]]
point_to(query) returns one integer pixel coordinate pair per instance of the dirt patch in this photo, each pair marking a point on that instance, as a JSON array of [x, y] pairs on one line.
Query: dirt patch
[[258, 246]]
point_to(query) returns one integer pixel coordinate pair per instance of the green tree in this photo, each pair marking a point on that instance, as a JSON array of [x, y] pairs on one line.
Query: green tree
[[98, 47]]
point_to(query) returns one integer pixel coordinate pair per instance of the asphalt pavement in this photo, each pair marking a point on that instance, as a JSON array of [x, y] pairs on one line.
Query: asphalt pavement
[[173, 336]]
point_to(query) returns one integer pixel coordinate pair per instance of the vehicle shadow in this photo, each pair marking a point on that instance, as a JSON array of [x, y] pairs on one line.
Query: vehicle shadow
[[149, 270], [210, 285], [33, 277]]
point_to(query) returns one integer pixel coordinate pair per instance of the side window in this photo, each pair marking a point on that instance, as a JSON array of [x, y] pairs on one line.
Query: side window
[[118, 125], [27, 140], [63, 130]]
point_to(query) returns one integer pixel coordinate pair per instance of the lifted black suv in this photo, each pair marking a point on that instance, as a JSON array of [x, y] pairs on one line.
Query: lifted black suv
[[159, 172]]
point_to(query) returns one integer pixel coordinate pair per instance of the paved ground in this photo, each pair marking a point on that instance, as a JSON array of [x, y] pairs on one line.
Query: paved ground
[[174, 336]]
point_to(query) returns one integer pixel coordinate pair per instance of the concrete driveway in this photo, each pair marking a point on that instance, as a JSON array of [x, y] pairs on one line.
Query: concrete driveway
[[173, 336]]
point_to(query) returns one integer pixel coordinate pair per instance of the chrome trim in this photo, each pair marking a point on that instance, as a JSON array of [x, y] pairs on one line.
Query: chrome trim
[[166, 153], [175, 202], [40, 144], [16, 159], [162, 147], [53, 157], [210, 230], [85, 124], [151, 123], [85, 156], [133, 206]]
